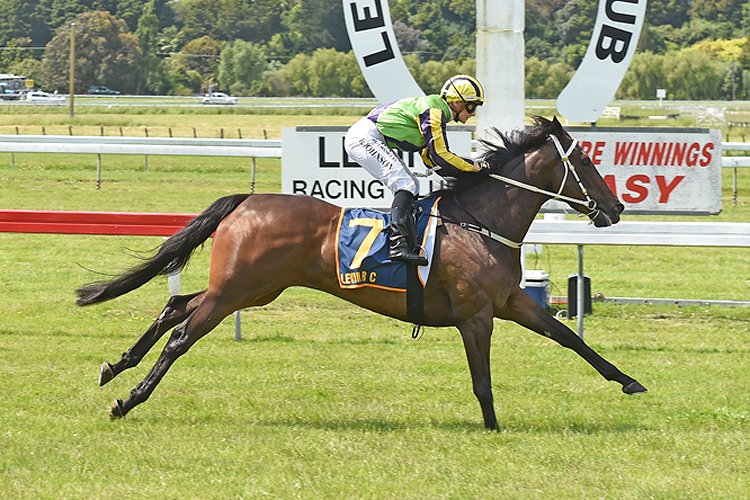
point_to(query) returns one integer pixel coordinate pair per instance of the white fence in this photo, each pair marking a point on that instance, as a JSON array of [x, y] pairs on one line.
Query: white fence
[[706, 234], [248, 148], [636, 233], [144, 146]]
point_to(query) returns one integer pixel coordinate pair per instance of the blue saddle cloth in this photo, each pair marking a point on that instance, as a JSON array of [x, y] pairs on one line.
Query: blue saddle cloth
[[362, 247]]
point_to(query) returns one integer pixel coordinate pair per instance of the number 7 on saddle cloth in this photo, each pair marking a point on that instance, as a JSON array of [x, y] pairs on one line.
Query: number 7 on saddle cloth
[[362, 247]]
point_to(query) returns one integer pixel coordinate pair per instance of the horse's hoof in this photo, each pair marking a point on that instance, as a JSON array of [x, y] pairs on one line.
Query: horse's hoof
[[117, 410], [634, 388], [105, 373]]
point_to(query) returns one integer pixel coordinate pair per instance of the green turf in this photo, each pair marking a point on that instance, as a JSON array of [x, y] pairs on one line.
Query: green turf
[[322, 399]]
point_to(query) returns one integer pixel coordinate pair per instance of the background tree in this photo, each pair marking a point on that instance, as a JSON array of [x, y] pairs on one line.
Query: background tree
[[154, 78], [672, 13], [645, 75], [241, 66], [544, 79], [336, 74], [686, 75], [130, 11], [541, 34], [439, 31], [23, 19], [61, 12], [716, 10], [410, 40], [106, 53], [202, 56], [431, 75], [314, 24], [294, 76]]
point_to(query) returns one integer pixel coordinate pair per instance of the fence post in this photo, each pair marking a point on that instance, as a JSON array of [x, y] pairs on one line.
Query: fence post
[[98, 171], [174, 283], [579, 292], [237, 327], [252, 178]]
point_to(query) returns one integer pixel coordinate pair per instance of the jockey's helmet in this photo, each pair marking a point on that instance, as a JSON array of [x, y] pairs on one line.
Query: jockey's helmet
[[463, 88]]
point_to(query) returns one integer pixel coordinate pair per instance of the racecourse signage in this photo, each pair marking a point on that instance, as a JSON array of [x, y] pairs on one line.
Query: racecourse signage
[[611, 48], [374, 44], [658, 171], [313, 162], [653, 171]]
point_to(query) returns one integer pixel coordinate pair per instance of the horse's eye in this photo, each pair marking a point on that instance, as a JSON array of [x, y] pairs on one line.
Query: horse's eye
[[586, 161]]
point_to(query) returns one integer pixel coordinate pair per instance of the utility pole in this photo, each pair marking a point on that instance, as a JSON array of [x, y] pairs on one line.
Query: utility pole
[[72, 63]]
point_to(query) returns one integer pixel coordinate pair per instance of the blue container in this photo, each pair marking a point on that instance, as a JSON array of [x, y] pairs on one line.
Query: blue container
[[537, 286]]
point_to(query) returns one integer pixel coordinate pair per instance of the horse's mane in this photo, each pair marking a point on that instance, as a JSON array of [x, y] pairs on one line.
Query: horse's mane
[[498, 154]]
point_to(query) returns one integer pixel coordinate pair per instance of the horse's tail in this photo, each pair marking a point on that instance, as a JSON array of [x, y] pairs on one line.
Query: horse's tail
[[171, 256]]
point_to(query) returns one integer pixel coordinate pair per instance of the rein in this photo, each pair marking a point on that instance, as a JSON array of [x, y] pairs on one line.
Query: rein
[[588, 202]]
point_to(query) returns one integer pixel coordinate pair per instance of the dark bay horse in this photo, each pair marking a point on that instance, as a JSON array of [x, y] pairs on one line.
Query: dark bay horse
[[266, 243]]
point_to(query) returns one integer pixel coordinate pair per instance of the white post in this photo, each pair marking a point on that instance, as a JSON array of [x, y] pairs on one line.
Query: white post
[[580, 292], [98, 171], [500, 64], [174, 283]]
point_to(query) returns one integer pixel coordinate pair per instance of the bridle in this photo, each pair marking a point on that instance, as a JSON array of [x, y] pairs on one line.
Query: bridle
[[588, 202]]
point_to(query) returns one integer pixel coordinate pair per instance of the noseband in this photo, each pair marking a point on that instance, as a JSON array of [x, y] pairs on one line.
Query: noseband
[[588, 202]]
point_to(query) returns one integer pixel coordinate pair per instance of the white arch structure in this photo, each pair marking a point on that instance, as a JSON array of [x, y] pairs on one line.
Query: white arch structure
[[500, 58]]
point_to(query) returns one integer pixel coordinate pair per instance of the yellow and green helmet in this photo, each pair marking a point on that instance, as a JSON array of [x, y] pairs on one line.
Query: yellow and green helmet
[[463, 88]]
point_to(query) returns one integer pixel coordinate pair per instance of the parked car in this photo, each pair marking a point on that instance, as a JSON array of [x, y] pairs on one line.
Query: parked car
[[10, 95], [102, 90], [37, 96], [218, 98]]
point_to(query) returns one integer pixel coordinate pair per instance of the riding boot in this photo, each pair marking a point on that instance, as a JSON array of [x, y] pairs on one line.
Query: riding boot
[[401, 246]]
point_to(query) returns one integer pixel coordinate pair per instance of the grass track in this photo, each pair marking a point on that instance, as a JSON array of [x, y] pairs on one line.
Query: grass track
[[325, 400]]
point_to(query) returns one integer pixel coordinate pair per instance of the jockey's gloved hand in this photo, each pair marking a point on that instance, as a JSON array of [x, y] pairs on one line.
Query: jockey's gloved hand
[[481, 166]]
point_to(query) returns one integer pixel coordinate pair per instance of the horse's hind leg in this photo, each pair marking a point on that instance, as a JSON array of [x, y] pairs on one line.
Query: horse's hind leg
[[178, 308], [206, 316], [526, 312]]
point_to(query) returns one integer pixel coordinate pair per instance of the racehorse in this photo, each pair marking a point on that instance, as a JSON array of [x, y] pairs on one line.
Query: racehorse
[[267, 242]]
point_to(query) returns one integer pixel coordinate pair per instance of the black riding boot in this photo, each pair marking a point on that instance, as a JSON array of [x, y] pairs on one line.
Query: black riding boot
[[401, 246]]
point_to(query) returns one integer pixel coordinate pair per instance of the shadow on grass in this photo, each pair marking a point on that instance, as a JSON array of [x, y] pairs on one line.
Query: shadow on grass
[[375, 425], [460, 426]]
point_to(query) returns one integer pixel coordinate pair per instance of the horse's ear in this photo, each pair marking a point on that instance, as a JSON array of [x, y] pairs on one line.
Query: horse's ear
[[556, 125]]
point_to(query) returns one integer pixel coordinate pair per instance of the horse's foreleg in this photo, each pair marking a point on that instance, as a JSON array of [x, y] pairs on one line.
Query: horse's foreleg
[[204, 319], [476, 333], [178, 308], [522, 309]]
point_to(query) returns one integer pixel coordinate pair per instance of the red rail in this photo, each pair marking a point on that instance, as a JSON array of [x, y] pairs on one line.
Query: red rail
[[123, 223]]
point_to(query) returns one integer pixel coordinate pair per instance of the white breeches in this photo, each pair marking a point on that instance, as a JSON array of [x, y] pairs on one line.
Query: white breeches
[[366, 145]]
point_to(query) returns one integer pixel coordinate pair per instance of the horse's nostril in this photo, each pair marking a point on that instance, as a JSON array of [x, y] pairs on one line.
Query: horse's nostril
[[619, 208]]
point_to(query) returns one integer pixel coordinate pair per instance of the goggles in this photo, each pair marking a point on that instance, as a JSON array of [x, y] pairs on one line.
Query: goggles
[[471, 106]]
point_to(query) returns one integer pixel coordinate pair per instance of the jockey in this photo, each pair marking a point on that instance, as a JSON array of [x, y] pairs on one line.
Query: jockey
[[413, 124]]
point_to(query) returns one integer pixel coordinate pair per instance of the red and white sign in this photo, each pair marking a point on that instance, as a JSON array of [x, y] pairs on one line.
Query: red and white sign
[[667, 171]]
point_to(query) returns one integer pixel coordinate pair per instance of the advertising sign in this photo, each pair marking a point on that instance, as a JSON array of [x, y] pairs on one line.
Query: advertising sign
[[652, 171], [657, 171], [313, 162]]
